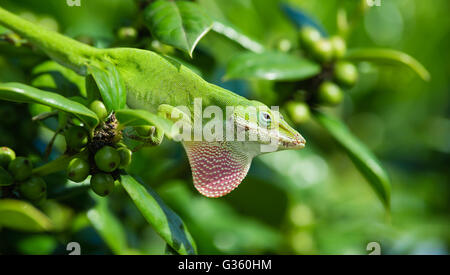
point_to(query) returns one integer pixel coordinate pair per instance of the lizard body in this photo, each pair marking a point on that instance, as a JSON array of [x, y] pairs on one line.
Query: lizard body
[[152, 81]]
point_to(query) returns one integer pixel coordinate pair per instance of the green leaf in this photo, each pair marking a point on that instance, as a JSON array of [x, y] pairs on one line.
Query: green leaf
[[168, 250], [165, 222], [108, 226], [68, 189], [271, 66], [53, 77], [389, 56], [22, 93], [361, 156], [110, 85], [178, 23], [219, 217], [129, 117], [231, 32], [37, 244], [20, 215]]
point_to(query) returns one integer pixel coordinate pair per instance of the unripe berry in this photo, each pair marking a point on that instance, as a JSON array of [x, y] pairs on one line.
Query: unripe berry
[[345, 73], [125, 156], [322, 50], [107, 159], [298, 111], [99, 108], [49, 23], [20, 168], [128, 34], [309, 36], [76, 137], [6, 156], [5, 178], [339, 46], [329, 94], [33, 189], [78, 170], [102, 184], [284, 45]]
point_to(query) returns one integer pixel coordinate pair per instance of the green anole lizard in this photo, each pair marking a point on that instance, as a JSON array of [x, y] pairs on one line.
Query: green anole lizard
[[157, 84]]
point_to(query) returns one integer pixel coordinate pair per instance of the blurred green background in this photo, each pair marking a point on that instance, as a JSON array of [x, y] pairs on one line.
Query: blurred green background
[[312, 201]]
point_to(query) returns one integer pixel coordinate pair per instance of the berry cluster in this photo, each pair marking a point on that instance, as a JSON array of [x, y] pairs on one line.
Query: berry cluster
[[100, 155], [326, 88], [16, 172]]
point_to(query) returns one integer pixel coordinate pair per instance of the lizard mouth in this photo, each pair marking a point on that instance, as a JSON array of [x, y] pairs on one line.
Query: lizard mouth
[[289, 138], [285, 136], [298, 142]]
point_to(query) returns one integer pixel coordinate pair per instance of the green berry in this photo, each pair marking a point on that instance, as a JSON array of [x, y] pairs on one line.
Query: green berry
[[6, 156], [339, 46], [5, 178], [298, 111], [162, 48], [20, 168], [99, 108], [322, 50], [144, 131], [33, 189], [309, 36], [49, 23], [78, 170], [128, 34], [329, 94], [107, 159], [345, 73], [102, 184], [121, 144], [76, 137], [284, 45], [125, 156]]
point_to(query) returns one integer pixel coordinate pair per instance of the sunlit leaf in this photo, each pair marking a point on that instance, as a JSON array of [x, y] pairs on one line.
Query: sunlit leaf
[[163, 220], [389, 56], [178, 23], [20, 215], [361, 156], [271, 66], [108, 226], [110, 85], [129, 117], [22, 93], [230, 31]]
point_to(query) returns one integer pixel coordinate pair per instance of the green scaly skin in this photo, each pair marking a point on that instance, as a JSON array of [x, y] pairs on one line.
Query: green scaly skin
[[153, 80]]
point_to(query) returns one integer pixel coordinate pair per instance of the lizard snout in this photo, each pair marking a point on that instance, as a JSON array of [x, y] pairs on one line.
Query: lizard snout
[[300, 142]]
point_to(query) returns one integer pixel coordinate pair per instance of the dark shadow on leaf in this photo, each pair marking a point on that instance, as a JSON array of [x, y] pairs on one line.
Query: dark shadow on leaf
[[63, 85]]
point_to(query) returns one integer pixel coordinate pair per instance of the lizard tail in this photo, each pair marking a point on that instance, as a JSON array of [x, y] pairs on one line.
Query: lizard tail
[[64, 50]]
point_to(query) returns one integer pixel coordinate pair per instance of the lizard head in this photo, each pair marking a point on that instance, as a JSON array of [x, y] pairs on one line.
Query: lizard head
[[268, 125], [219, 167]]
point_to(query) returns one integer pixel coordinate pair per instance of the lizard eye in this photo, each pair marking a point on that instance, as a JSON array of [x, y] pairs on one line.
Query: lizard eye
[[265, 119]]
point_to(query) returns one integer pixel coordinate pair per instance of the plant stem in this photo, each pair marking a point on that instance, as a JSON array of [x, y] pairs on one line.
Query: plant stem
[[44, 115]]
